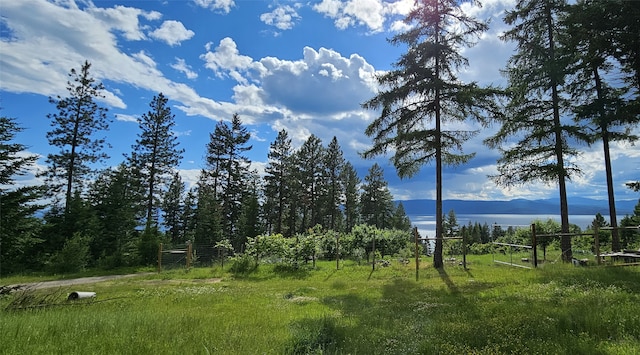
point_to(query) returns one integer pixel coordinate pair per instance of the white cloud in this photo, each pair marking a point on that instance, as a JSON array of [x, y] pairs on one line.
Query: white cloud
[[172, 32], [226, 59], [145, 59], [322, 76], [123, 19], [283, 17], [320, 92], [126, 118], [29, 173], [222, 5], [190, 177], [45, 45], [369, 13], [182, 66]]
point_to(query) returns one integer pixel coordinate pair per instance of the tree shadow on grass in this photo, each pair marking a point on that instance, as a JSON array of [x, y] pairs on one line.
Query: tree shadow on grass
[[445, 315], [447, 280]]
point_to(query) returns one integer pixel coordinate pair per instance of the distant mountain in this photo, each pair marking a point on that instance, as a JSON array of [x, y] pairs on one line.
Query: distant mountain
[[577, 206]]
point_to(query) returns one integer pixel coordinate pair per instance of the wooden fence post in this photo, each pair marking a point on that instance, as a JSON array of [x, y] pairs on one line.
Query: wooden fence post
[[415, 234], [160, 257], [189, 252], [596, 241], [337, 251], [534, 245], [373, 265], [464, 252]]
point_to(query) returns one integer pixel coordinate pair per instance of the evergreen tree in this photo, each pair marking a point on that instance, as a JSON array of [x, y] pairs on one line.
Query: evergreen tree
[[208, 214], [333, 165], [189, 211], [310, 160], [250, 222], [630, 238], [277, 182], [155, 153], [451, 225], [19, 228], [113, 197], [351, 183], [399, 219], [607, 110], [533, 115], [376, 201], [424, 94], [12, 162], [78, 120], [173, 208], [624, 31], [229, 171]]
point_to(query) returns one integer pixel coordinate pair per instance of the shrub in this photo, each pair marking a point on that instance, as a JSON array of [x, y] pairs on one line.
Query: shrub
[[148, 246], [74, 255], [243, 264]]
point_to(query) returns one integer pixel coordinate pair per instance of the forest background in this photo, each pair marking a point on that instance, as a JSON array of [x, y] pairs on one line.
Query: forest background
[[119, 215]]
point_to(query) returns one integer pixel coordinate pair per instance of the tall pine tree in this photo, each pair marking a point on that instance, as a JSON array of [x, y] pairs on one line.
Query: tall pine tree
[[606, 109], [228, 168], [534, 114], [310, 159], [75, 126], [333, 165], [155, 154], [277, 182], [423, 93]]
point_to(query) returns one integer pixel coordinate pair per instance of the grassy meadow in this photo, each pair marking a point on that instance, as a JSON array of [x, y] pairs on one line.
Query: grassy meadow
[[486, 309]]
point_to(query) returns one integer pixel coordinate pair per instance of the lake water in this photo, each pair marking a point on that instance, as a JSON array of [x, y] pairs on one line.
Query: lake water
[[427, 224]]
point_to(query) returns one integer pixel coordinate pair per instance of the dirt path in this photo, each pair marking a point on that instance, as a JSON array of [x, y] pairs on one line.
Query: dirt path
[[78, 281]]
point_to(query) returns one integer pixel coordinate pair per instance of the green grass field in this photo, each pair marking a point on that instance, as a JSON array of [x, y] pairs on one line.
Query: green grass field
[[486, 309]]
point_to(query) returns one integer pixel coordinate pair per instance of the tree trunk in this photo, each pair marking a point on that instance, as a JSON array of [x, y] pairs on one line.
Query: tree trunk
[[615, 236], [565, 240]]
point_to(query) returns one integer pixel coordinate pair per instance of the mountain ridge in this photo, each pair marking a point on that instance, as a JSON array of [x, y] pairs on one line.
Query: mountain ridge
[[577, 206]]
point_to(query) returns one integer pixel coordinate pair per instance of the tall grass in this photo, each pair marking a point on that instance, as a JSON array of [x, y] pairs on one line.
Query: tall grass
[[486, 309]]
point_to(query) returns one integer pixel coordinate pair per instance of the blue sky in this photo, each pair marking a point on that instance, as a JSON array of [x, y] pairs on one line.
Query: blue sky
[[305, 66]]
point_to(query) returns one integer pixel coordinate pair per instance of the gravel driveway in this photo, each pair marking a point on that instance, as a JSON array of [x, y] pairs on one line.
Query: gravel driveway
[[78, 281]]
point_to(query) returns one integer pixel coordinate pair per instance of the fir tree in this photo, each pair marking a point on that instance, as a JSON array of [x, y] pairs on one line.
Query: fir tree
[[333, 165], [75, 125], [155, 153], [376, 201], [19, 228], [536, 107], [424, 92], [351, 183], [277, 181]]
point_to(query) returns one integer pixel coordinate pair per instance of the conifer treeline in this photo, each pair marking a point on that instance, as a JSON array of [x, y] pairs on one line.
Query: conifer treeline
[[118, 216]]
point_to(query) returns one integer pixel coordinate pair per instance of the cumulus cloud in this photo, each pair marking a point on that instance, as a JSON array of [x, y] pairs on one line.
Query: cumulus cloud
[[321, 82], [221, 5], [172, 33], [318, 93], [369, 13], [226, 60], [321, 77], [283, 17]]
